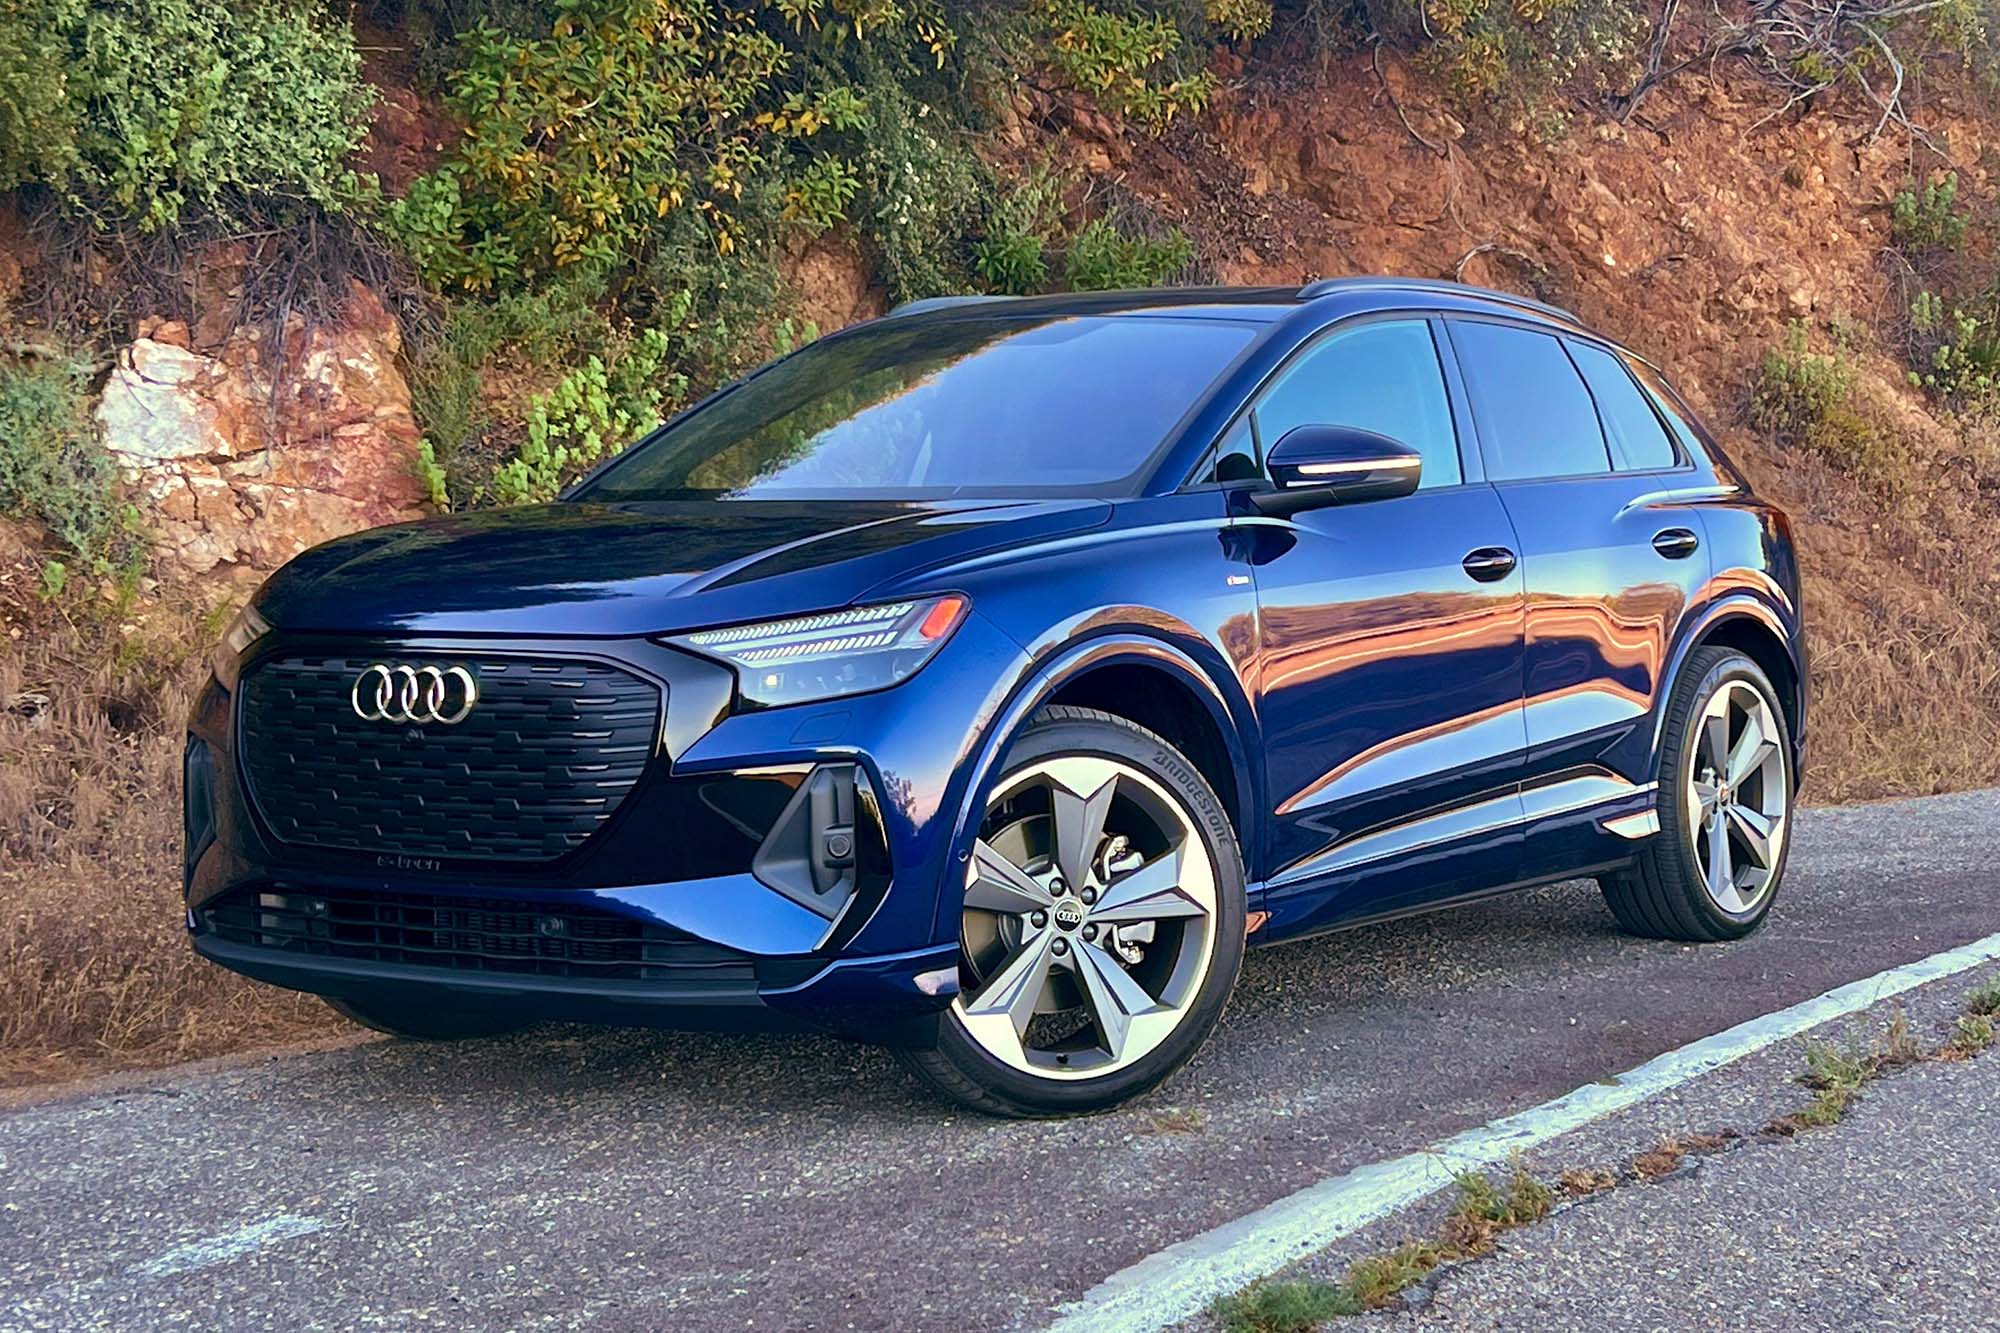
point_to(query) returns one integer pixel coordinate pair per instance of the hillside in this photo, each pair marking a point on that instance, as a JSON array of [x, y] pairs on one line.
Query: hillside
[[446, 254]]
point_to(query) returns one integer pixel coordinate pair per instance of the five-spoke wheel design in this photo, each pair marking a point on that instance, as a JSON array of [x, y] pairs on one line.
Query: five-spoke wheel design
[[1725, 787], [1738, 796], [1089, 918], [1102, 923]]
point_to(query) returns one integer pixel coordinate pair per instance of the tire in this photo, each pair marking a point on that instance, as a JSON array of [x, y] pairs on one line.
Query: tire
[[429, 1023], [1081, 789], [1673, 891]]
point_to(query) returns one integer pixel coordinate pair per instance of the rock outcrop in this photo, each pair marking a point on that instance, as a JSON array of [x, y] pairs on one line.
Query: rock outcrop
[[237, 461]]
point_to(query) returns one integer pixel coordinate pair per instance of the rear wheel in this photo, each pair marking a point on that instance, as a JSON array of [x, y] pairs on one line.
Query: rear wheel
[[1725, 801], [425, 1023], [1102, 927]]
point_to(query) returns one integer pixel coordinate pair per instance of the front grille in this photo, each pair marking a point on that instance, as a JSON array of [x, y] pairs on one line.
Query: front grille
[[493, 935], [547, 755]]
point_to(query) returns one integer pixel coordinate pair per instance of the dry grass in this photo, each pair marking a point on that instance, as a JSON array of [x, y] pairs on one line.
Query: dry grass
[[95, 970]]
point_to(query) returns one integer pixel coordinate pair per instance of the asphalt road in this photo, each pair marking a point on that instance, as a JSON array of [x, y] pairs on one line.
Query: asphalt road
[[624, 1179]]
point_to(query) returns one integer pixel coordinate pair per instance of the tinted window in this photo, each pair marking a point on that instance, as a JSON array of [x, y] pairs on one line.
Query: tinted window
[[1381, 377], [1535, 417], [1669, 407], [919, 408], [1638, 441], [1235, 458]]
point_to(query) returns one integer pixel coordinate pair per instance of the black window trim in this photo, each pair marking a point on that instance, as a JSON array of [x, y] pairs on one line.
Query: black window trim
[[1471, 462]]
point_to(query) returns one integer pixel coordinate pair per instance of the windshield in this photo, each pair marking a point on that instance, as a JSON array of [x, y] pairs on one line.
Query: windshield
[[930, 409]]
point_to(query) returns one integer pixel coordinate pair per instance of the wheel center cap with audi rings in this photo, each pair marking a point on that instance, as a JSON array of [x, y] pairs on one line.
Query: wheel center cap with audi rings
[[1068, 913], [400, 693]]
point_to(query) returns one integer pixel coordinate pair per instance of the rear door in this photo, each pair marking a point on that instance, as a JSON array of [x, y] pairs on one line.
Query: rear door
[[1388, 645], [1611, 549]]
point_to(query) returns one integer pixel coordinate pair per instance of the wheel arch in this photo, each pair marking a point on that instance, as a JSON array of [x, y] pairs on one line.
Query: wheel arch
[[1145, 680], [1755, 630]]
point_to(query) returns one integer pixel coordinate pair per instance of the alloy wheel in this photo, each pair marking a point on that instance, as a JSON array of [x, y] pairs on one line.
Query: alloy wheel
[[1738, 796], [1089, 919]]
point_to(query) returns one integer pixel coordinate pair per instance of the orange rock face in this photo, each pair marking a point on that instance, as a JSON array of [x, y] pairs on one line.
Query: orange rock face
[[238, 461]]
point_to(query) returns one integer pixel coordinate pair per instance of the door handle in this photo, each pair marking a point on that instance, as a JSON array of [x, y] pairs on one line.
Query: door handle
[[1676, 543], [1489, 564]]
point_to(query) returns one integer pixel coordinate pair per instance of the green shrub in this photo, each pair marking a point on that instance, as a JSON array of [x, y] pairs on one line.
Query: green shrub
[[1929, 219], [1797, 390], [582, 139], [1010, 258], [1102, 258], [594, 413], [1516, 56], [1239, 20], [53, 473], [1126, 61], [925, 189], [137, 112], [1956, 352]]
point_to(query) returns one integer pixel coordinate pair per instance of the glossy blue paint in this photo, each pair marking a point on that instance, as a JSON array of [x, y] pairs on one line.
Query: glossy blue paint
[[1396, 725]]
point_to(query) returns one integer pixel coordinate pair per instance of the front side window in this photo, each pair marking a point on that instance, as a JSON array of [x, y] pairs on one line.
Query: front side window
[[1535, 417], [937, 409], [1639, 442], [1383, 377]]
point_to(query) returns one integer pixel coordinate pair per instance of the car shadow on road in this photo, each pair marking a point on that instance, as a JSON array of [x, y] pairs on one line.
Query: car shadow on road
[[1363, 978]]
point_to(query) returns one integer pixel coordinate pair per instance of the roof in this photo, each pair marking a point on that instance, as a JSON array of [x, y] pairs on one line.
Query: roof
[[1260, 303]]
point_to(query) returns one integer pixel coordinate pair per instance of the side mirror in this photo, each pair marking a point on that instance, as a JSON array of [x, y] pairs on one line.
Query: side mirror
[[1317, 466]]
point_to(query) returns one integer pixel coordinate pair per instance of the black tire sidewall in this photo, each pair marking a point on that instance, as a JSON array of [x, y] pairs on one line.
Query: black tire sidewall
[[1112, 738], [1681, 856]]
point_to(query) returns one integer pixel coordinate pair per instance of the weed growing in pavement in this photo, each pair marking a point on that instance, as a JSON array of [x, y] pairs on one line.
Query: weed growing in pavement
[[1176, 1120], [1484, 1210], [1283, 1307], [1972, 1034], [1985, 998]]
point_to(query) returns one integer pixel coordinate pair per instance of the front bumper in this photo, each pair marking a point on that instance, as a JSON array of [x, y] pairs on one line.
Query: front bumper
[[686, 859]]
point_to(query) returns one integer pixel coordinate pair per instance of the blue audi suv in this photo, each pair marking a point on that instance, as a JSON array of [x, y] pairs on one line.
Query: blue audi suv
[[982, 679]]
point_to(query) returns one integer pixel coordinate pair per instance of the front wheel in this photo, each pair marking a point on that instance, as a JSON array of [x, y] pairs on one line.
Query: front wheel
[[1102, 927], [1725, 805]]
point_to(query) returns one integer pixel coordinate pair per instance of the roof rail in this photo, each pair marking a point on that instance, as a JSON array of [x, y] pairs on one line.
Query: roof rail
[[1436, 286], [929, 303]]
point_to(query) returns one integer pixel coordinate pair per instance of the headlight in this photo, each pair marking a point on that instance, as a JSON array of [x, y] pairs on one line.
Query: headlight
[[246, 629], [827, 656]]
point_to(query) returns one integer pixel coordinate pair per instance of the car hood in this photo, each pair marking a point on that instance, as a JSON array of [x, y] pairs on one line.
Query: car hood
[[640, 568]]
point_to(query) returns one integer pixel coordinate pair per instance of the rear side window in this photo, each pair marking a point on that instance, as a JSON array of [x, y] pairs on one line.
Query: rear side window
[[1535, 417], [1670, 408], [1383, 377], [1639, 442]]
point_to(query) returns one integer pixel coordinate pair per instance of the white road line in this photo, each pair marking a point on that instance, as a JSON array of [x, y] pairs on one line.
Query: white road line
[[213, 1250], [1165, 1288]]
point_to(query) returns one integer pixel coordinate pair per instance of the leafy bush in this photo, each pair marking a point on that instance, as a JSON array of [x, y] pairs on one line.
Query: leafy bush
[[1957, 352], [1010, 258], [1515, 56], [1929, 219], [136, 111], [1102, 258], [1805, 399], [924, 190], [582, 139], [52, 473], [1240, 20], [594, 413], [1124, 60]]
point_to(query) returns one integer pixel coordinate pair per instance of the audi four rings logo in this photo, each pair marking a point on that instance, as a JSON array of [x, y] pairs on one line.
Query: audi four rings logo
[[386, 692]]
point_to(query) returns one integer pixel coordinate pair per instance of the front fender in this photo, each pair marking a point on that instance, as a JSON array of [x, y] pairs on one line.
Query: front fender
[[1220, 692]]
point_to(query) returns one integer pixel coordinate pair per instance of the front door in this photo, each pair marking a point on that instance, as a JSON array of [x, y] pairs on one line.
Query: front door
[[1389, 650]]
